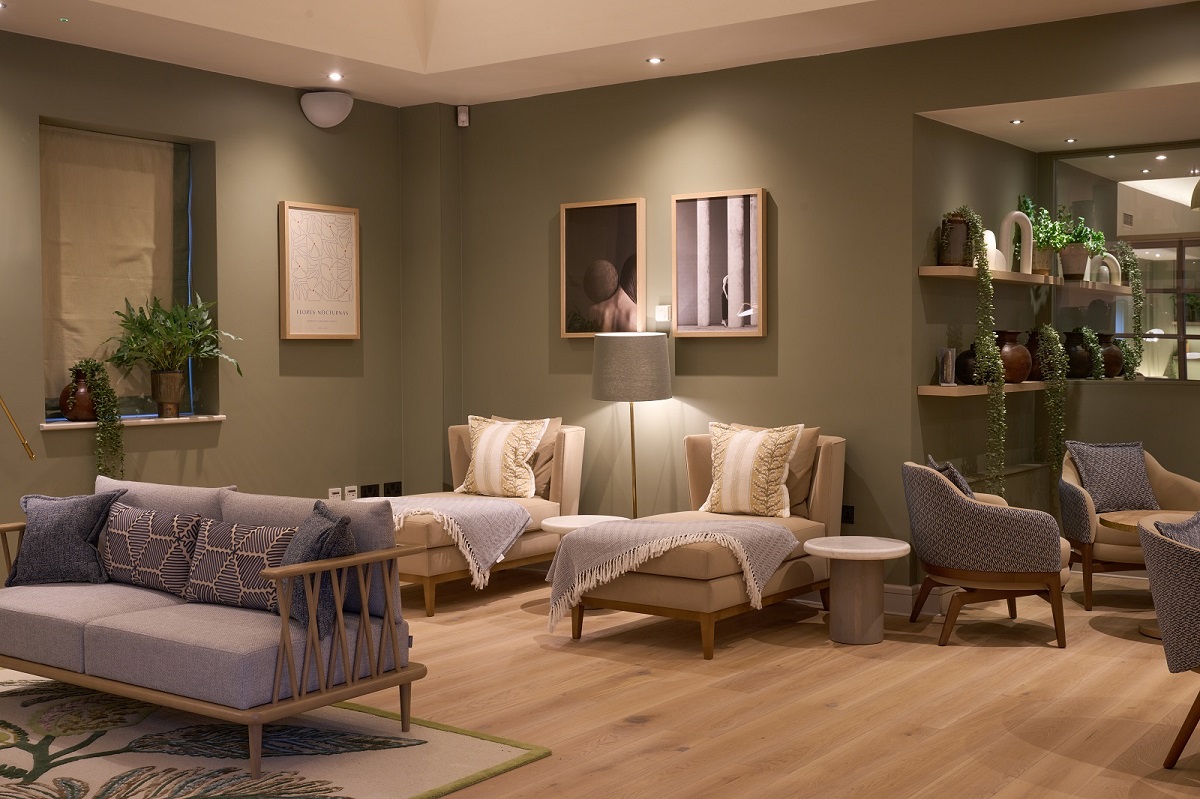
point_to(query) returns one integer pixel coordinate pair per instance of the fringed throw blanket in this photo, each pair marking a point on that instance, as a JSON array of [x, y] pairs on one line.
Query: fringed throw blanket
[[592, 556], [483, 528]]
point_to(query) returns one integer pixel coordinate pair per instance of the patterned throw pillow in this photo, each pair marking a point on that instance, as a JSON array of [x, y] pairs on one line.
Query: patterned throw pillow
[[543, 456], [950, 473], [322, 535], [148, 547], [501, 454], [1115, 475], [1186, 532], [800, 466], [59, 545], [750, 469], [228, 560]]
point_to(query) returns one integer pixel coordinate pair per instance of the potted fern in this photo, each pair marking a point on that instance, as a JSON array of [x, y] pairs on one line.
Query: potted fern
[[164, 340]]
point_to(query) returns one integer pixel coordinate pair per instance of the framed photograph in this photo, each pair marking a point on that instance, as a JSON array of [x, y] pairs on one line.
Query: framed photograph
[[717, 260], [603, 269], [318, 271]]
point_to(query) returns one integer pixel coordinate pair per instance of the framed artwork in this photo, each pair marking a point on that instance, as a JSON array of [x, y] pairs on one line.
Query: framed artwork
[[603, 267], [318, 271], [717, 263]]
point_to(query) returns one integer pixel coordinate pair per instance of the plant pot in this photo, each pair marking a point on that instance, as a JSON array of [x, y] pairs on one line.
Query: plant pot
[[1073, 259], [166, 387], [1079, 359], [1015, 357], [1043, 261], [81, 409], [952, 245], [1114, 359], [964, 366]]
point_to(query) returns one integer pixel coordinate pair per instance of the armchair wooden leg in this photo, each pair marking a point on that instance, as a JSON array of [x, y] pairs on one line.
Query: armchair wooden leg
[[577, 621], [1012, 607], [956, 603], [255, 735], [1185, 732], [825, 598], [922, 596], [708, 635], [430, 592], [1087, 575], [1056, 606], [405, 707]]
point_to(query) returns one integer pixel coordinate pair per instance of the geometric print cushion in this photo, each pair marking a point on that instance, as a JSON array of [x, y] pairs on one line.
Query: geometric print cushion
[[750, 469], [149, 548], [228, 560], [501, 457], [950, 473], [1115, 475], [1186, 532]]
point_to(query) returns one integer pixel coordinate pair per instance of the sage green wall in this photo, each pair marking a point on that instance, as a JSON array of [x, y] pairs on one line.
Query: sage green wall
[[308, 414]]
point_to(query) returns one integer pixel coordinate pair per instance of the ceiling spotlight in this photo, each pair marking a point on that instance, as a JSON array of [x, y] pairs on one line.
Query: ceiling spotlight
[[1112, 156], [3, 5], [1069, 141], [1160, 158], [334, 76], [1016, 121], [1145, 171], [63, 19], [655, 60]]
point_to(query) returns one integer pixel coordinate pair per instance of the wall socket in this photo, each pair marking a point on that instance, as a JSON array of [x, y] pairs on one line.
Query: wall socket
[[847, 514], [351, 493], [368, 491], [393, 489], [335, 493]]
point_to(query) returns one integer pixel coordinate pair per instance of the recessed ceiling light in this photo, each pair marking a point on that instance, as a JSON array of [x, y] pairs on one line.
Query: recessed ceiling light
[[1145, 171], [3, 5], [655, 60], [63, 19], [334, 76], [1069, 141], [1112, 156], [1160, 158], [1016, 121]]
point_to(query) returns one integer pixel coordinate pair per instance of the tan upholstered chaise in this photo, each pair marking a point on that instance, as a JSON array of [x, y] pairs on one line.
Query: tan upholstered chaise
[[703, 582], [439, 560]]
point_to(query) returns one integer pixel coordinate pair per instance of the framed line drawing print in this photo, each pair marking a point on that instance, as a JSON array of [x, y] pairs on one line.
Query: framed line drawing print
[[319, 295], [602, 276], [717, 260]]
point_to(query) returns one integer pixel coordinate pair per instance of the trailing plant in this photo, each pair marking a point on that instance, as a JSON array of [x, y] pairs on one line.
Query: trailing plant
[[1092, 342], [110, 443], [167, 338], [1052, 358], [1131, 348]]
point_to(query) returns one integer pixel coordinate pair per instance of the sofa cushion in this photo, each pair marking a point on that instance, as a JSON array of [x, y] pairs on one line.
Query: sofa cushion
[[800, 466], [750, 469], [426, 531], [1185, 532], [213, 653], [501, 457], [160, 496], [148, 547], [952, 474], [229, 559], [322, 535], [59, 545], [371, 524], [707, 560], [543, 456], [44, 623], [1114, 475]]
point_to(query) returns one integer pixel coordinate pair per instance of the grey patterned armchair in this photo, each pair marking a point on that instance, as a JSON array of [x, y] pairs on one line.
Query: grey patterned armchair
[[1174, 570], [984, 547]]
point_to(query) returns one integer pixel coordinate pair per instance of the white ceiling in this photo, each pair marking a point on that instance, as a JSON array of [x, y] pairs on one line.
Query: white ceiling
[[461, 52]]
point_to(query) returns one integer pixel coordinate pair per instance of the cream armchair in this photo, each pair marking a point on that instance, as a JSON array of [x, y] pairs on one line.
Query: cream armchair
[[440, 561]]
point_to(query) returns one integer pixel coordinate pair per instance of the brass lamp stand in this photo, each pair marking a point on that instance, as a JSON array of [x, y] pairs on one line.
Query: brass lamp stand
[[17, 430]]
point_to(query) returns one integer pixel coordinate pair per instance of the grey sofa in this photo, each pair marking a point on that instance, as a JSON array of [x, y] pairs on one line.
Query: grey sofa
[[235, 664]]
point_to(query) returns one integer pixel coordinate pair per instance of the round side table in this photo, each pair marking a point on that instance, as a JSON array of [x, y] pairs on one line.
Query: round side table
[[565, 524], [856, 583]]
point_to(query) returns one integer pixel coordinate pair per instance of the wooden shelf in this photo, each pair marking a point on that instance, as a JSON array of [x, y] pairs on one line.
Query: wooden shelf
[[1104, 288], [135, 422], [970, 273], [976, 391]]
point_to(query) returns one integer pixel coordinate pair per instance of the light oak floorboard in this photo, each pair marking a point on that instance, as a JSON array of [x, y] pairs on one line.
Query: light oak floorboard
[[632, 709]]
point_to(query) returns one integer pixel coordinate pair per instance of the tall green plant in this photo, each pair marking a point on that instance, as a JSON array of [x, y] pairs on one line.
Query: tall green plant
[[1131, 348], [1052, 358], [110, 443], [1092, 342], [166, 338]]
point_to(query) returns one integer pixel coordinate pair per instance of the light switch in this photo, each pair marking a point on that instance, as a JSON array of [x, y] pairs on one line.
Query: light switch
[[662, 313]]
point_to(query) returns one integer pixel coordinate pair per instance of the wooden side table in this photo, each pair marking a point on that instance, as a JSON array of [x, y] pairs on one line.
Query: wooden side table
[[856, 583]]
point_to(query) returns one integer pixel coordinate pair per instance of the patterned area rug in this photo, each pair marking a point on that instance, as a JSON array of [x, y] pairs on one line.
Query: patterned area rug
[[58, 741]]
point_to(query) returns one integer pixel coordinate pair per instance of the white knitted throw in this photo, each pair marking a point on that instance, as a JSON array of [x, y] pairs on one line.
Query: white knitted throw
[[483, 528], [592, 556]]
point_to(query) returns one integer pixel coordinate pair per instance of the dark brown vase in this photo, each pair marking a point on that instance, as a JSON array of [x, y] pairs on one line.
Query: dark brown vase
[[952, 246], [964, 366], [1114, 359], [81, 408], [167, 389], [1016, 359], [1079, 360]]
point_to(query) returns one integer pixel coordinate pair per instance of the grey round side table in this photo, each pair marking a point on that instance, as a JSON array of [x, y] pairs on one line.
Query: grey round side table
[[856, 583], [565, 524]]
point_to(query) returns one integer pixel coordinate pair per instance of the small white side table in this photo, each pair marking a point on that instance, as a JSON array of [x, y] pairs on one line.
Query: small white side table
[[856, 583], [565, 524]]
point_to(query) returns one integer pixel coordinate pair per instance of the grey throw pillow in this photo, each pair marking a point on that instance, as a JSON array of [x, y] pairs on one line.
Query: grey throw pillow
[[322, 535], [60, 539], [1185, 532], [1114, 475], [953, 475]]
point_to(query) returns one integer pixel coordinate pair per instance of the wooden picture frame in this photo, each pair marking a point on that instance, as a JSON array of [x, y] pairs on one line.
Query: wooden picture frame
[[602, 260], [718, 283], [319, 291]]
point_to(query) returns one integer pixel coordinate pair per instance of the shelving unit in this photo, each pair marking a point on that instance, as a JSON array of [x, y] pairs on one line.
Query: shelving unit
[[976, 391], [970, 273], [137, 422], [1103, 288]]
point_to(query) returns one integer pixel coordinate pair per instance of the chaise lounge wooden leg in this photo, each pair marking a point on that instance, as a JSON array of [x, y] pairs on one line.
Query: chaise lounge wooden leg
[[708, 635], [1087, 576], [577, 621], [430, 591], [956, 603], [824, 598], [922, 596], [1185, 732], [405, 707], [1056, 606], [255, 735]]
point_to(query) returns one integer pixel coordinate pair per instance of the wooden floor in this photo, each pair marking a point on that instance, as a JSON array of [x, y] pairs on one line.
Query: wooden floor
[[632, 709]]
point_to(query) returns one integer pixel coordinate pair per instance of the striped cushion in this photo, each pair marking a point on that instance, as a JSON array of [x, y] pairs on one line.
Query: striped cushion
[[750, 469], [149, 548], [501, 456], [228, 560]]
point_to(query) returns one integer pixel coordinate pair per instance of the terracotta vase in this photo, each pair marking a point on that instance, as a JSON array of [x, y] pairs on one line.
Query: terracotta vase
[[82, 408], [1015, 357], [1043, 261], [1032, 344], [1073, 259], [1114, 359], [1079, 360], [964, 366], [952, 245], [166, 387]]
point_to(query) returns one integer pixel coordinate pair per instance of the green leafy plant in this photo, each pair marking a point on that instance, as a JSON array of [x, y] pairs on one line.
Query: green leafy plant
[[167, 338], [1077, 232], [1092, 342], [110, 442], [1048, 232], [1052, 358], [1131, 348]]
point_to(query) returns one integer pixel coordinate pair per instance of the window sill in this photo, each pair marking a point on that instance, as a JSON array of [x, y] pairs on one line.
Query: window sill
[[136, 422]]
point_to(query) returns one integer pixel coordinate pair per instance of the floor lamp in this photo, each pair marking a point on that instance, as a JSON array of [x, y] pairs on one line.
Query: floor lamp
[[631, 367], [17, 430]]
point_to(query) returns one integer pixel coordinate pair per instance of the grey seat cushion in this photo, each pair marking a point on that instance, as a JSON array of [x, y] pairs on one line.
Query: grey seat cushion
[[213, 653], [45, 623], [176, 499]]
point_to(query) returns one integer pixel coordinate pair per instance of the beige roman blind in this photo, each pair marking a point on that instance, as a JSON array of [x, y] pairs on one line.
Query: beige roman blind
[[114, 226]]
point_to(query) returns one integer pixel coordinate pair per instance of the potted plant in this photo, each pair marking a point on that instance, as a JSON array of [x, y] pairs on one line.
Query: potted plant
[[91, 387], [165, 339], [1048, 235], [1081, 243]]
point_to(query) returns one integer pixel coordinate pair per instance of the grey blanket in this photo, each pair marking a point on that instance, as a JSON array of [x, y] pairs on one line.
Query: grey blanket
[[592, 556], [483, 528]]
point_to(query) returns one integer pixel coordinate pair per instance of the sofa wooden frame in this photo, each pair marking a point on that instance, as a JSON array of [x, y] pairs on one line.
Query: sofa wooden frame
[[367, 652]]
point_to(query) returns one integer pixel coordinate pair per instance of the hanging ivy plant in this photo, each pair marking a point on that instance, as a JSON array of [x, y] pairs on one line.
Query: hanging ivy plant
[[1092, 342], [1052, 358], [1131, 348], [110, 443]]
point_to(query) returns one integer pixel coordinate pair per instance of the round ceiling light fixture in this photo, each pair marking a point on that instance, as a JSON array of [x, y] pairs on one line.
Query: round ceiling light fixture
[[326, 109], [1069, 141], [335, 76], [1015, 121], [655, 60]]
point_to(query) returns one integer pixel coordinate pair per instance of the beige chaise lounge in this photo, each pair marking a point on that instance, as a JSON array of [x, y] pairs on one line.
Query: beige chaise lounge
[[703, 582], [440, 561]]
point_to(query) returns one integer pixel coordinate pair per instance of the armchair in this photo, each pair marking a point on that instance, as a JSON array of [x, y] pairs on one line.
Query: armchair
[[984, 547]]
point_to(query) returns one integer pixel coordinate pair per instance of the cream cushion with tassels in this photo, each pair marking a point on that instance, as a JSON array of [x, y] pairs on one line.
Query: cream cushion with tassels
[[501, 455], [750, 469]]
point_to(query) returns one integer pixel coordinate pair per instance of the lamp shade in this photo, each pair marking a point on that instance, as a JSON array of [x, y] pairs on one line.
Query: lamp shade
[[631, 367], [326, 109], [1196, 197]]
